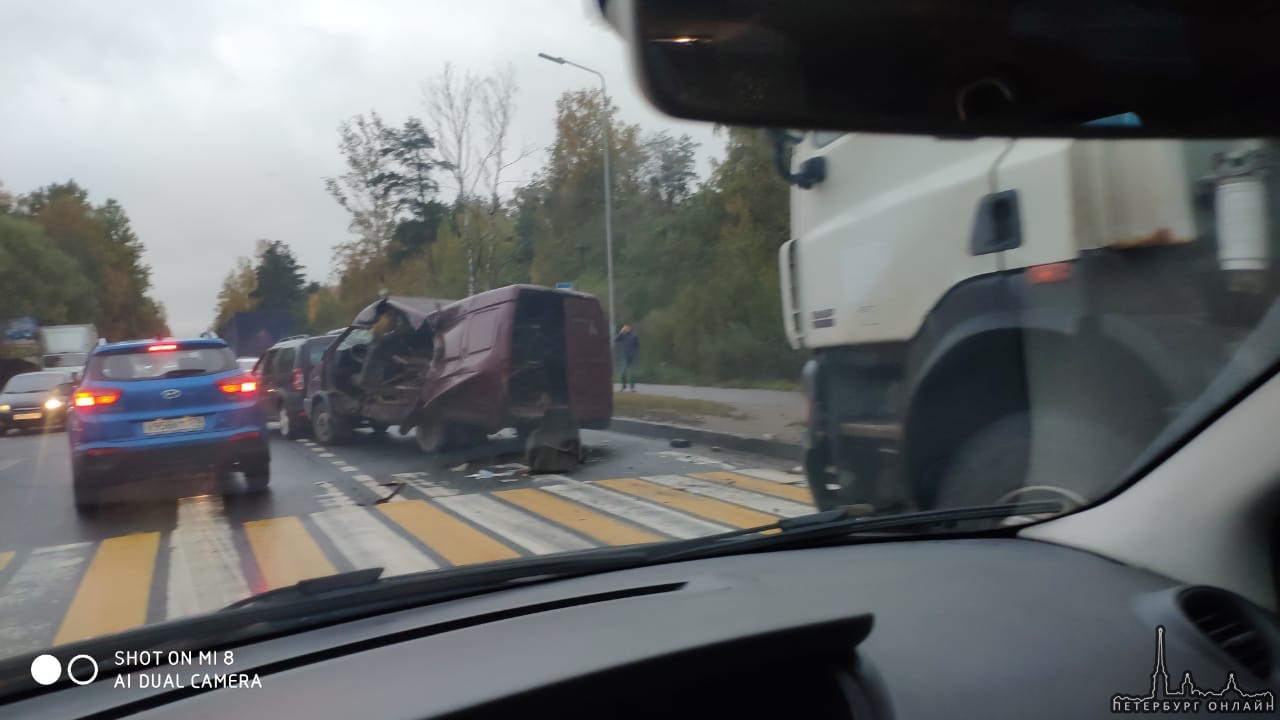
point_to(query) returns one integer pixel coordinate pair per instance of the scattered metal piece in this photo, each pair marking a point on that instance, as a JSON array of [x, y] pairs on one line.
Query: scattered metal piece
[[399, 487]]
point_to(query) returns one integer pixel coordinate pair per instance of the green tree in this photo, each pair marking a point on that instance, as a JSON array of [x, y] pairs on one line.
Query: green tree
[[109, 254], [39, 279], [280, 283], [237, 291]]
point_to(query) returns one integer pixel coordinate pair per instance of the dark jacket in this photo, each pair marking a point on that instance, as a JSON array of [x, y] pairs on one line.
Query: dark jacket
[[628, 344]]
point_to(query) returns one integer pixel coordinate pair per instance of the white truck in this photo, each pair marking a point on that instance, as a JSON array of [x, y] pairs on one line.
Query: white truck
[[991, 316], [67, 347]]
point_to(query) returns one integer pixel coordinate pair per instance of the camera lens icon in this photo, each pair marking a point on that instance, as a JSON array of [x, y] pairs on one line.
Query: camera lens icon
[[47, 670]]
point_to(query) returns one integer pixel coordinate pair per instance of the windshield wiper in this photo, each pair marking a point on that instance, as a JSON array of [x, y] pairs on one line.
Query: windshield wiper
[[184, 372], [841, 523]]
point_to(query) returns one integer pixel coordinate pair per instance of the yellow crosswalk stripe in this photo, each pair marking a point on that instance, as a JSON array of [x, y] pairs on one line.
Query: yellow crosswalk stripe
[[706, 507], [768, 487], [576, 517], [286, 552], [455, 541], [113, 594], [5, 557]]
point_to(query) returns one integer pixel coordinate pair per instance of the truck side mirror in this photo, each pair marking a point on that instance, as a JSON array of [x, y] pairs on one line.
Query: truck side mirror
[[812, 171]]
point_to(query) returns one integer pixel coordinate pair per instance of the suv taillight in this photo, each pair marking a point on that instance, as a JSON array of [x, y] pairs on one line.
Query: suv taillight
[[297, 379], [95, 397], [243, 384]]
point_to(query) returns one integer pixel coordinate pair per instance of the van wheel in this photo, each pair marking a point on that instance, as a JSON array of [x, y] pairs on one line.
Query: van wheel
[[431, 436], [330, 428]]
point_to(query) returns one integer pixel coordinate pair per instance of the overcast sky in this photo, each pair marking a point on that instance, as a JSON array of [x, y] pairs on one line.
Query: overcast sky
[[214, 122]]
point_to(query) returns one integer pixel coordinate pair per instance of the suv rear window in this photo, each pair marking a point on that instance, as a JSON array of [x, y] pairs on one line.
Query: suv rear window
[[142, 364], [315, 351]]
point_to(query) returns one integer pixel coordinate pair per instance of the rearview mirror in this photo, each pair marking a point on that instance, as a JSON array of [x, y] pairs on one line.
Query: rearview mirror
[[1071, 68]]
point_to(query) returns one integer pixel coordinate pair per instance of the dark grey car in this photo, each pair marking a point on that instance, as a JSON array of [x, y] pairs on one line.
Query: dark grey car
[[35, 400], [284, 373]]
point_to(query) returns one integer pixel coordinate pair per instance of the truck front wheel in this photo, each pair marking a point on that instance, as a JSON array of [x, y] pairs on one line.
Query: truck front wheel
[[1050, 456]]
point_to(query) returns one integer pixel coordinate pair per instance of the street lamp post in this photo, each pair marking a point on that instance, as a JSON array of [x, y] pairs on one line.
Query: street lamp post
[[608, 193]]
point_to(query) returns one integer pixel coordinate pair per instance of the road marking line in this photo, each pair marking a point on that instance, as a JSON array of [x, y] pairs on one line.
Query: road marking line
[[664, 520], [286, 552], [6, 464], [525, 530], [114, 592], [768, 487], [454, 540], [349, 468], [695, 459], [316, 448], [777, 476], [576, 517], [331, 497], [338, 462], [368, 543], [756, 501], [326, 454], [5, 557], [205, 572], [702, 506], [418, 481], [41, 581], [380, 491]]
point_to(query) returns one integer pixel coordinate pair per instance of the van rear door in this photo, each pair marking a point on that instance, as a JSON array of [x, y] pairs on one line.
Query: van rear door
[[590, 363]]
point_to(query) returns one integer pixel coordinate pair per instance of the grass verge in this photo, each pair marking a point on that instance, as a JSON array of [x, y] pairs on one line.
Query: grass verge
[[657, 408]]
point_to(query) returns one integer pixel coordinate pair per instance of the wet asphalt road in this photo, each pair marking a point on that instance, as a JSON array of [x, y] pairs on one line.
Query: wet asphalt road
[[172, 546]]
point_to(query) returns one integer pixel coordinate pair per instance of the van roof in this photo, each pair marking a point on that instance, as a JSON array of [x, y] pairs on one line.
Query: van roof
[[418, 309]]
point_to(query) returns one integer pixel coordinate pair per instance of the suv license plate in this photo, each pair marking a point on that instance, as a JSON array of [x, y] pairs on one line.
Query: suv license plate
[[172, 425], [27, 416]]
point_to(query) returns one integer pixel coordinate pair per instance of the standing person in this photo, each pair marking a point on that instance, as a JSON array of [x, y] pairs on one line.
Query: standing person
[[628, 345]]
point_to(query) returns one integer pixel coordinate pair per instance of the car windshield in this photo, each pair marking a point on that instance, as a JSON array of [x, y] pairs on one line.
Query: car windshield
[[578, 322], [35, 382]]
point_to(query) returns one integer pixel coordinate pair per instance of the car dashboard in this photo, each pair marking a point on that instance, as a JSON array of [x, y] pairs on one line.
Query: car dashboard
[[976, 627]]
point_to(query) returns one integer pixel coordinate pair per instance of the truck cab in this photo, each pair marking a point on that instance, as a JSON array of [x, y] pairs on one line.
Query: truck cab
[[922, 274]]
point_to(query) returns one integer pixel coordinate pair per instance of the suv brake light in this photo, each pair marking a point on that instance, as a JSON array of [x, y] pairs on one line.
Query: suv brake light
[[162, 348], [297, 379], [244, 384], [95, 397]]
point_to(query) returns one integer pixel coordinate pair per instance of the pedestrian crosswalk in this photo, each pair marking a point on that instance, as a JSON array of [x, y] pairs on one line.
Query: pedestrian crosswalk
[[65, 593]]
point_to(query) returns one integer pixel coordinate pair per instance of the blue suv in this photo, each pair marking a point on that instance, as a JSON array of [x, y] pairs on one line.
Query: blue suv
[[166, 405]]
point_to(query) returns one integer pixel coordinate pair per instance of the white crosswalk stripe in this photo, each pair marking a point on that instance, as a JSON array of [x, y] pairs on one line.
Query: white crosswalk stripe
[[775, 475], [204, 567], [42, 580], [367, 542], [737, 496], [527, 531], [665, 521]]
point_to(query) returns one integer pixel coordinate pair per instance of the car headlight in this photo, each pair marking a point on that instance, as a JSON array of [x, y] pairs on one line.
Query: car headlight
[[52, 404], [4, 408]]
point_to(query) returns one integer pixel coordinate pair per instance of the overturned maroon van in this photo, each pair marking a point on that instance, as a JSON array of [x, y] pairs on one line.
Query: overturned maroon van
[[459, 371]]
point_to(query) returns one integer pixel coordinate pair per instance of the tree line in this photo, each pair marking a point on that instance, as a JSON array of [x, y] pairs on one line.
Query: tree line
[[432, 212], [64, 260]]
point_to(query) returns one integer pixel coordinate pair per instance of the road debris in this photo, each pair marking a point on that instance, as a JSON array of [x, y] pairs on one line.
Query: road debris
[[680, 443], [459, 468]]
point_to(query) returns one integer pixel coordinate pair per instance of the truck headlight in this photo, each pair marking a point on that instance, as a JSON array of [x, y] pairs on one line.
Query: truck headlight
[[52, 404]]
